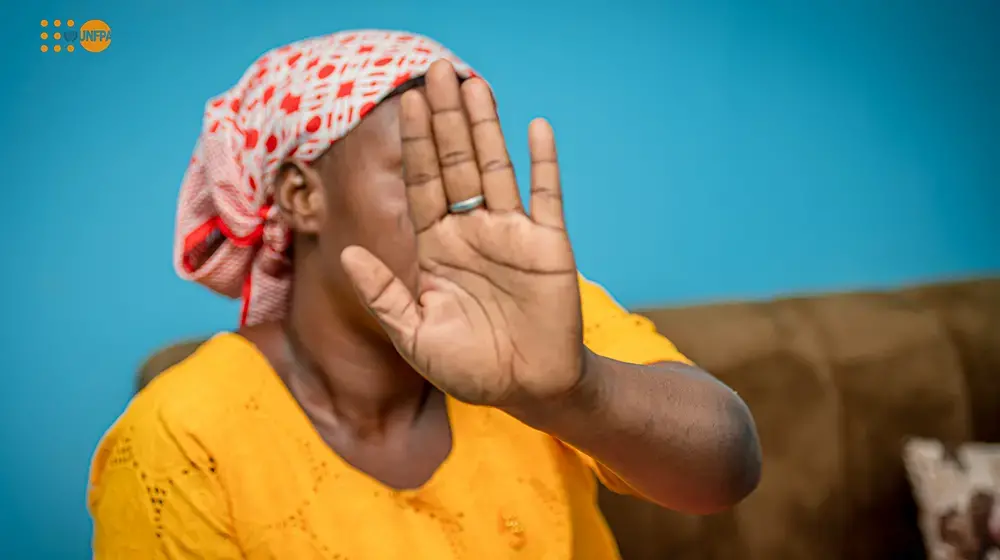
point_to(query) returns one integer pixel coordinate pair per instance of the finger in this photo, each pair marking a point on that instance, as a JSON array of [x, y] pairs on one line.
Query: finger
[[424, 189], [495, 170], [546, 191], [456, 156], [385, 295]]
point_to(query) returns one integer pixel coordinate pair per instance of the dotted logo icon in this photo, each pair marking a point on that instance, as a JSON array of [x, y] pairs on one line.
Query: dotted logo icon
[[64, 36]]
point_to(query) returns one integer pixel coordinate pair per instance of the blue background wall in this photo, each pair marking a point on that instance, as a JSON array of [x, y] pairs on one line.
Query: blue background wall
[[711, 150]]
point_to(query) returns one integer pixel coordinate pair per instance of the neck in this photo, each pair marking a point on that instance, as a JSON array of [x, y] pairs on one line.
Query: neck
[[346, 370]]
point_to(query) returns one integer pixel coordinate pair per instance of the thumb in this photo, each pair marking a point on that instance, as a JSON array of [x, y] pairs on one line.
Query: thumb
[[384, 294]]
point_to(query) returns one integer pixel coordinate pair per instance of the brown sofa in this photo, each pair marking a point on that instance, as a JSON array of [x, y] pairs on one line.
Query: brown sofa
[[836, 383]]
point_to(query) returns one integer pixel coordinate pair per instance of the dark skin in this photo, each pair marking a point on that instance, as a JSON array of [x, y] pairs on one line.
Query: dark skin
[[396, 302]]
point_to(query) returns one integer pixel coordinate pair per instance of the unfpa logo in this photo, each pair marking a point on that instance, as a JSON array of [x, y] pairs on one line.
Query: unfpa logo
[[93, 36]]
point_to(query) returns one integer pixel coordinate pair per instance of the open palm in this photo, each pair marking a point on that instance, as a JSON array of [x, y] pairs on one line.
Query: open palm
[[497, 316]]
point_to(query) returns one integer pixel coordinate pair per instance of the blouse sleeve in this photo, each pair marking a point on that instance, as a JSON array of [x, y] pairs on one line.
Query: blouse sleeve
[[611, 331], [154, 494]]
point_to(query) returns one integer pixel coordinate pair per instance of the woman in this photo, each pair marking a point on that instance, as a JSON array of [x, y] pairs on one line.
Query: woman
[[419, 387]]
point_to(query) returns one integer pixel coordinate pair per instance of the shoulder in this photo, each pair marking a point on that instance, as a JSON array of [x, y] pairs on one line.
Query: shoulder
[[188, 407], [203, 388], [597, 303], [612, 331], [154, 479], [600, 309]]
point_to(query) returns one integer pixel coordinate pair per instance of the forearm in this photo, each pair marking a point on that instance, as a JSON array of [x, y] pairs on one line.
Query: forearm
[[675, 434]]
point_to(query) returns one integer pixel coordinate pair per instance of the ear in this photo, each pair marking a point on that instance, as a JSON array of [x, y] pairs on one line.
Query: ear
[[299, 195]]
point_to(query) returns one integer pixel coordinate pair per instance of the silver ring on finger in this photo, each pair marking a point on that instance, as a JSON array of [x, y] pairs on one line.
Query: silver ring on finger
[[466, 205]]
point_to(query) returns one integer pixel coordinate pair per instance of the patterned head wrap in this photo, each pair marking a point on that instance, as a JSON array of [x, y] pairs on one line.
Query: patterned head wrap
[[295, 100]]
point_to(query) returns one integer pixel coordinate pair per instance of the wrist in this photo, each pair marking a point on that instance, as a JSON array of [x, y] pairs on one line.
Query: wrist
[[579, 401]]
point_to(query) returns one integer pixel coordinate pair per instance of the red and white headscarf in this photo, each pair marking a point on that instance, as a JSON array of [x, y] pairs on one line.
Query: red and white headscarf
[[296, 100]]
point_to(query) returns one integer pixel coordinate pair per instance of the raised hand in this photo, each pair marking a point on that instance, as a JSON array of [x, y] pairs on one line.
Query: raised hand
[[497, 317]]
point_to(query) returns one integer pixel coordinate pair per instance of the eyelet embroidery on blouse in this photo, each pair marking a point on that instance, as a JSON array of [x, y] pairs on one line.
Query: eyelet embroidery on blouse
[[158, 489]]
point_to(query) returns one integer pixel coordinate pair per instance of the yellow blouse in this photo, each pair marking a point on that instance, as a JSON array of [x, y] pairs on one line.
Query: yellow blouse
[[215, 459]]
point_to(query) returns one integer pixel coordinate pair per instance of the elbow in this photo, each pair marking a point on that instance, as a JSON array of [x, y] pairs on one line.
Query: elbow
[[739, 455], [744, 449], [723, 464], [730, 458]]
